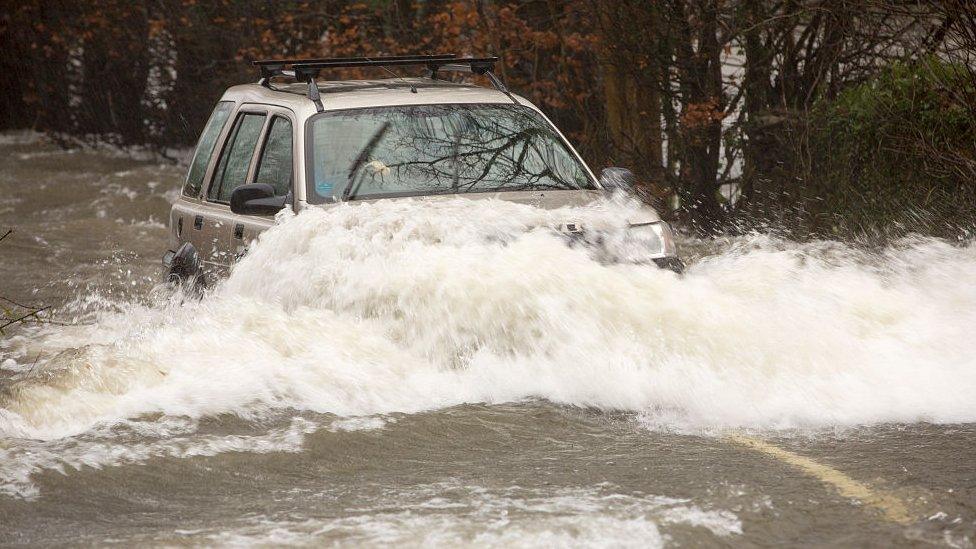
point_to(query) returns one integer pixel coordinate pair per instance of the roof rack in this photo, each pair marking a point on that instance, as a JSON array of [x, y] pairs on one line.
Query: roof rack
[[307, 70]]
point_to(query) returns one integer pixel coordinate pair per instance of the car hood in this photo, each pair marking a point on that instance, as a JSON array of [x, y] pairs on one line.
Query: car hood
[[549, 200]]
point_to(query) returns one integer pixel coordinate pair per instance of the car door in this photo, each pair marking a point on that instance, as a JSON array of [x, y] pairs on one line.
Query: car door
[[260, 149], [275, 166], [231, 169]]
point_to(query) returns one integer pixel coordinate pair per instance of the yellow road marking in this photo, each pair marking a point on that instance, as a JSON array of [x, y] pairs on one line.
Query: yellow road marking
[[893, 508]]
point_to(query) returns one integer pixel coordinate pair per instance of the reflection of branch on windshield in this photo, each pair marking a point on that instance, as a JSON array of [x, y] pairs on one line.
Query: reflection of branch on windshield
[[437, 149], [515, 169], [524, 137]]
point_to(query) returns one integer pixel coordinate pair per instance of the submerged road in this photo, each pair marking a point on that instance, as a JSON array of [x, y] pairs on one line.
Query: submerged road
[[530, 474]]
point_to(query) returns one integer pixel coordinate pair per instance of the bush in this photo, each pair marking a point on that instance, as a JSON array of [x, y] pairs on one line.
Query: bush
[[895, 154]]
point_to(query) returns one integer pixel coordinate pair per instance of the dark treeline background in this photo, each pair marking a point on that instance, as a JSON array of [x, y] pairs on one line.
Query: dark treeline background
[[830, 116]]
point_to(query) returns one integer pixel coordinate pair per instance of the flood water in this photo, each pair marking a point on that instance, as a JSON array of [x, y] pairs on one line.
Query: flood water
[[442, 376]]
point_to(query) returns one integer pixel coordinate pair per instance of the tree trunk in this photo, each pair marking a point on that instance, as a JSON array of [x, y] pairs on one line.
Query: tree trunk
[[757, 149], [703, 104], [630, 73]]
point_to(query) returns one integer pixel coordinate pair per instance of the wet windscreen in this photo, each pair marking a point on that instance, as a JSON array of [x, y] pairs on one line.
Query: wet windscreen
[[437, 149]]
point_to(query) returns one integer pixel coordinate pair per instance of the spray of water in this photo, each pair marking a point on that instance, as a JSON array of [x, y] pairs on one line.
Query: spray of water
[[400, 307]]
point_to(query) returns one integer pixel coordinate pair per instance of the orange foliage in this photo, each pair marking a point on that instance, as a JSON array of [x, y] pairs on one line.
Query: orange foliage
[[702, 114]]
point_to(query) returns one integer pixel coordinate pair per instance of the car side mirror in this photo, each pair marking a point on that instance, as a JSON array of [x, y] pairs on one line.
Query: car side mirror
[[256, 199], [614, 178]]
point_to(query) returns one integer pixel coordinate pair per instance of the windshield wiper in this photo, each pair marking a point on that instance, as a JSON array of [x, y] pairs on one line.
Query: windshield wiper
[[361, 159]]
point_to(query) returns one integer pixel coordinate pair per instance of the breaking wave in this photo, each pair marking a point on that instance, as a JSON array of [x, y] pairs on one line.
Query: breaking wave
[[398, 307]]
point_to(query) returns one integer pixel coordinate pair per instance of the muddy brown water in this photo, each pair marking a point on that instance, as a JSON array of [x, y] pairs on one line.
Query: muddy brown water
[[105, 438]]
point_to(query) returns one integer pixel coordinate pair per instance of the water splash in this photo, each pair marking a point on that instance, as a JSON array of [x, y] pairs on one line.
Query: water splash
[[402, 307]]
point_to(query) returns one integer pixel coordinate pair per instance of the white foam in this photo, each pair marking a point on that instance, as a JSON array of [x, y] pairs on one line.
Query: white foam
[[359, 424], [449, 514], [402, 306], [168, 437]]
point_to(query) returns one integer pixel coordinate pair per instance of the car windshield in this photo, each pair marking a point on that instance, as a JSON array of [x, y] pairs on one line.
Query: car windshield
[[437, 149]]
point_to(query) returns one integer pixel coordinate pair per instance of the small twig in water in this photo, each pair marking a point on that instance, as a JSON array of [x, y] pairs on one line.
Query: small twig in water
[[36, 358], [24, 318], [21, 305], [33, 311]]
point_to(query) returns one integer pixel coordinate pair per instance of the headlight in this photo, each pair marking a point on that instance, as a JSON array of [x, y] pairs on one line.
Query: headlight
[[642, 242]]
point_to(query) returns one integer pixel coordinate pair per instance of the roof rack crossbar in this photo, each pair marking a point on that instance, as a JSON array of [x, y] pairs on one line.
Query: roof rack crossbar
[[271, 68], [307, 70], [345, 59], [475, 63], [276, 67]]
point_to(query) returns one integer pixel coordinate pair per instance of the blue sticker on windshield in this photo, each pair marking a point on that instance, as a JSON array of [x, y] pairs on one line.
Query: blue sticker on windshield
[[324, 188]]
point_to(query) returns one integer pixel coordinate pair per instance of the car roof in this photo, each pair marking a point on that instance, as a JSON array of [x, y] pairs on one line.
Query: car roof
[[350, 94]]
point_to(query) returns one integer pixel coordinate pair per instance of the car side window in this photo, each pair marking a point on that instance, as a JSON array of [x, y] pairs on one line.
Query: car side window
[[275, 164], [235, 159], [205, 148]]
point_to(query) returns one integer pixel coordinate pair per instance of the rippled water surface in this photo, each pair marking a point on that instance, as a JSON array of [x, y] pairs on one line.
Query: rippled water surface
[[452, 374]]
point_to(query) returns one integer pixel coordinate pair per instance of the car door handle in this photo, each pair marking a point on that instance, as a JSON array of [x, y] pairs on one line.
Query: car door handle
[[198, 222], [239, 231]]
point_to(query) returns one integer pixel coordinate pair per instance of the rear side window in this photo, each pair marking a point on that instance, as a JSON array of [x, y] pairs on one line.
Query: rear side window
[[205, 147], [235, 159], [275, 164]]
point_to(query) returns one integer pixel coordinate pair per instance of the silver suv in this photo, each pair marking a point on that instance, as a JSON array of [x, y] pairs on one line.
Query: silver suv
[[292, 140]]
